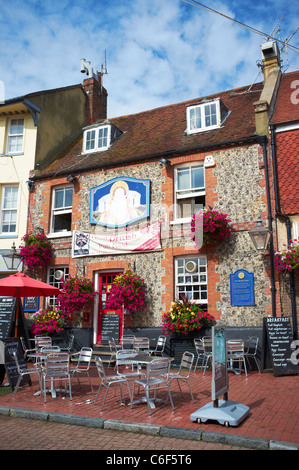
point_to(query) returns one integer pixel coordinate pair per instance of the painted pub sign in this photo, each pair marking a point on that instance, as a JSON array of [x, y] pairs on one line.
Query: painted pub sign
[[120, 202]]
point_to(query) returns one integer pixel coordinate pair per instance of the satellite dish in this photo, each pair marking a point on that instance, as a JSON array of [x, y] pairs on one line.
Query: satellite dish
[[191, 266], [58, 275]]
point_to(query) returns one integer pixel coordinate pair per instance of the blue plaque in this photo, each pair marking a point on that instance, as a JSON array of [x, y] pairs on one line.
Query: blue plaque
[[242, 288]]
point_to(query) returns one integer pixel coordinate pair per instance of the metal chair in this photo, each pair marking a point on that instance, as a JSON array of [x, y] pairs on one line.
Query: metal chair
[[251, 351], [113, 350], [26, 351], [155, 380], [199, 351], [70, 345], [141, 345], [83, 365], [107, 381], [235, 352], [57, 368], [183, 373], [127, 341], [42, 341], [23, 371], [207, 351], [160, 346], [124, 358]]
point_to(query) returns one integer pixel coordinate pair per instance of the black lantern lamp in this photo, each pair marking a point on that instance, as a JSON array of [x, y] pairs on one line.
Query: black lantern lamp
[[12, 258], [260, 235]]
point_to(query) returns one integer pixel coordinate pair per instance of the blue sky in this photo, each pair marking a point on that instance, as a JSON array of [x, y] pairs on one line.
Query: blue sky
[[158, 51]]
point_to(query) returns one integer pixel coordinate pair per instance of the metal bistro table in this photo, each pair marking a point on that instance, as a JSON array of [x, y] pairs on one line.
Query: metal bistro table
[[42, 357], [144, 359]]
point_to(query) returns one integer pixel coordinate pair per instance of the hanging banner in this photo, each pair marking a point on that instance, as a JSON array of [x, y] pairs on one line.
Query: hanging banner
[[88, 244]]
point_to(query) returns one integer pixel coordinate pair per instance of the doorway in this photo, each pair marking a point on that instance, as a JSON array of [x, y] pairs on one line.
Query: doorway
[[105, 283]]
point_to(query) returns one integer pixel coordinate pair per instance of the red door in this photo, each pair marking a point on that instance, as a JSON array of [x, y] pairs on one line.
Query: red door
[[105, 283]]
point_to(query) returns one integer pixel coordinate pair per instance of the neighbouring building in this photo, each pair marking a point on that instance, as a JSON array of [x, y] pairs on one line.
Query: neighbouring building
[[284, 128], [34, 129], [129, 186]]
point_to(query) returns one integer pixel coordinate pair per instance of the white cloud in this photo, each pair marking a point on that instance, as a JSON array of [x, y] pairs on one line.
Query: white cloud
[[158, 51]]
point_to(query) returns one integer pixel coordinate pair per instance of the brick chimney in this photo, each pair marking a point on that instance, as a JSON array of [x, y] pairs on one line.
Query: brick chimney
[[96, 105], [271, 67]]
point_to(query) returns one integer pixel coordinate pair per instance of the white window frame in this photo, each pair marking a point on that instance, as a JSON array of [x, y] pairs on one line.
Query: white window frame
[[97, 131], [192, 282], [56, 281], [178, 194], [60, 211], [200, 108], [9, 209], [10, 136]]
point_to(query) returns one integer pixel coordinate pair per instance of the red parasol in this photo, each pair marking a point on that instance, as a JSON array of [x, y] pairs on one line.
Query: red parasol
[[19, 285]]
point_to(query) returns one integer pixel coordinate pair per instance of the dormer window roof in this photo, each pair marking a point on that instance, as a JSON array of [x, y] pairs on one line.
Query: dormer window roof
[[99, 137], [205, 116]]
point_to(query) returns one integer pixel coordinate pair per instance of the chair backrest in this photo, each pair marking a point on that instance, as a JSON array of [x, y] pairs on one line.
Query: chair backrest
[[19, 369], [57, 364], [235, 347], [123, 357], [161, 341], [252, 343], [141, 344], [157, 367], [50, 349], [23, 343], [198, 344], [186, 363], [112, 344], [41, 341], [100, 367], [85, 357], [127, 341], [207, 344]]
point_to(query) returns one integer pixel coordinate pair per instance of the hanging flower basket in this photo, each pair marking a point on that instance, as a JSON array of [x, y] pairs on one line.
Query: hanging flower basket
[[127, 291], [50, 320], [37, 250], [214, 224], [288, 259], [77, 293], [185, 317]]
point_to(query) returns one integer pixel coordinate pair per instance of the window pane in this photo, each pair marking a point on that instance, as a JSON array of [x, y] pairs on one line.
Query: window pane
[[68, 197], [10, 199], [59, 198], [62, 222], [16, 126], [103, 133], [183, 178], [195, 118], [184, 208], [90, 140], [197, 177], [210, 115]]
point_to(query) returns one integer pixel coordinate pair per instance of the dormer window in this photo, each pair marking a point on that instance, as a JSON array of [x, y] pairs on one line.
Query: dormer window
[[100, 137], [205, 116]]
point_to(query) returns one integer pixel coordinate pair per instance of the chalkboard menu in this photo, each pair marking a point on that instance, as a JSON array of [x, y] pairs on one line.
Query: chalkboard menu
[[11, 345], [110, 328], [242, 288], [7, 316], [280, 340]]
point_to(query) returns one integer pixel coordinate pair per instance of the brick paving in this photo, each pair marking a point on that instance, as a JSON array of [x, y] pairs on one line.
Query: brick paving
[[24, 434], [273, 403]]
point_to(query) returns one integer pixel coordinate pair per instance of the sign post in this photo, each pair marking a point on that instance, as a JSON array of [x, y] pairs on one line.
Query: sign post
[[226, 412]]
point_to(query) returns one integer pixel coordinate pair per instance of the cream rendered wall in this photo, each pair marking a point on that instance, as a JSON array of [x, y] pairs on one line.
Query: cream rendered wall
[[15, 170]]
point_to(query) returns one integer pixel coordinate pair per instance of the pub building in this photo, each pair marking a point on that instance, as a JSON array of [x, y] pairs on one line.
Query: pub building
[[123, 194]]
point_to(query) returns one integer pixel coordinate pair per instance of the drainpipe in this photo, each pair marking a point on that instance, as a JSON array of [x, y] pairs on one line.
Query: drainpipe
[[289, 231], [263, 141]]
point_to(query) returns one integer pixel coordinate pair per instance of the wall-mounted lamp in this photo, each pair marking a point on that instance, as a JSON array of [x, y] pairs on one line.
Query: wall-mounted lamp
[[164, 162], [12, 258], [72, 179], [260, 235], [31, 185]]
